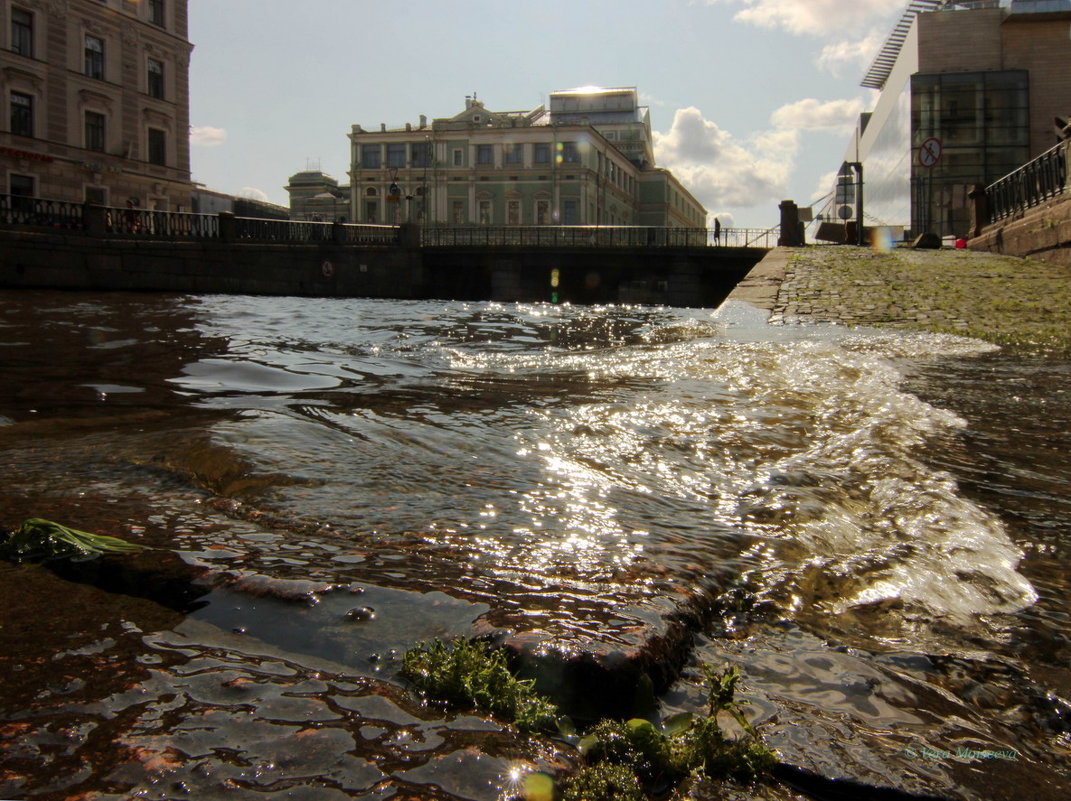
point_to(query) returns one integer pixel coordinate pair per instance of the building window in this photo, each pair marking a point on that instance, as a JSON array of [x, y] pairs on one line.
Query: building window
[[570, 212], [542, 212], [371, 211], [514, 154], [458, 161], [22, 32], [420, 154], [541, 155], [458, 208], [94, 57], [94, 131], [157, 147], [156, 12], [569, 153], [155, 76], [370, 157], [485, 212], [97, 195], [484, 155], [20, 185], [396, 155], [21, 114], [513, 212]]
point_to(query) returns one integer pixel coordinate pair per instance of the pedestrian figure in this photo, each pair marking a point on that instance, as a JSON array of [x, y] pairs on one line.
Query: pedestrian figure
[[717, 231]]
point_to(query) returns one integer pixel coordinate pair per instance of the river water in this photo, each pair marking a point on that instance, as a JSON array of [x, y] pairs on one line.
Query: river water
[[873, 526]]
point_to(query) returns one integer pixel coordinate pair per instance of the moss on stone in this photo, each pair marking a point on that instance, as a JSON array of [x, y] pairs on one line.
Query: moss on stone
[[1000, 299]]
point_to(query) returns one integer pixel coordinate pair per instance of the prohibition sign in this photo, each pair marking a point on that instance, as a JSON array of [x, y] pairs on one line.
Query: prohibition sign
[[930, 152]]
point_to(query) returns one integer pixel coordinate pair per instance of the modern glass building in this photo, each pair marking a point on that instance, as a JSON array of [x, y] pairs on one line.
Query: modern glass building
[[969, 91]]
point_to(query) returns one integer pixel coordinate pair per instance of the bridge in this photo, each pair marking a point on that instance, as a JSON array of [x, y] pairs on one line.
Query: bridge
[[52, 244]]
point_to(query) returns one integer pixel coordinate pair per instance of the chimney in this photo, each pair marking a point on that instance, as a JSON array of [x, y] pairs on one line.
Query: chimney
[[383, 127], [423, 121], [408, 126]]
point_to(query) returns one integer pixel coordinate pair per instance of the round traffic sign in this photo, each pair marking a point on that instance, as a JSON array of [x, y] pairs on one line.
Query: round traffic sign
[[930, 152]]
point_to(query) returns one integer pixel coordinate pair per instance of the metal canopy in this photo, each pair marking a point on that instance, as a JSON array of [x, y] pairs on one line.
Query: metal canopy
[[883, 63]]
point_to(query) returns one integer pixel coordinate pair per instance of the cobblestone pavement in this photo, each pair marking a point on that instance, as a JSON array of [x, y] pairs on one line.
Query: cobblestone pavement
[[1000, 299]]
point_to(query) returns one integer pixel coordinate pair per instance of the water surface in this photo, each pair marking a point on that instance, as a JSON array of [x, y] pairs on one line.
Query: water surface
[[871, 525]]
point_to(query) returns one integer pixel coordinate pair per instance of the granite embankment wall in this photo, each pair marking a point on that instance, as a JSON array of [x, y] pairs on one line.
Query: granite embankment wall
[[73, 260], [1043, 232]]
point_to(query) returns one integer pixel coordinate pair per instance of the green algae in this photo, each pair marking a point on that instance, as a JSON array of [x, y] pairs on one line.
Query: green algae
[[685, 745], [474, 674], [39, 540], [620, 760]]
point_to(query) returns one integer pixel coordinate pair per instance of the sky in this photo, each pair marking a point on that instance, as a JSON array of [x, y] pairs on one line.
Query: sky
[[752, 101]]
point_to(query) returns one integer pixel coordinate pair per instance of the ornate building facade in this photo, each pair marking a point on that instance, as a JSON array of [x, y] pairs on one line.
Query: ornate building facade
[[96, 101], [587, 159]]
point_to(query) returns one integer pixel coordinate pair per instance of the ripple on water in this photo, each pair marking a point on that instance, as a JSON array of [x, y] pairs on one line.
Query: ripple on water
[[580, 473]]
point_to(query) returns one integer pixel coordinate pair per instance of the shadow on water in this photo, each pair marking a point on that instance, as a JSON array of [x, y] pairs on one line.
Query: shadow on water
[[871, 526]]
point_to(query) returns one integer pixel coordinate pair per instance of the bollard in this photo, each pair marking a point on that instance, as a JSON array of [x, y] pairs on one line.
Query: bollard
[[228, 230]]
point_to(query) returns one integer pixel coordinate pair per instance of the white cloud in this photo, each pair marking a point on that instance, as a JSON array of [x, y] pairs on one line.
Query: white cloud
[[207, 136], [721, 170], [842, 58], [814, 17], [811, 114], [253, 193]]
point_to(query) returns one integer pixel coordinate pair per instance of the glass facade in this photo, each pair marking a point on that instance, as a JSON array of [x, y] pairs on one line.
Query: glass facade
[[887, 172], [982, 122]]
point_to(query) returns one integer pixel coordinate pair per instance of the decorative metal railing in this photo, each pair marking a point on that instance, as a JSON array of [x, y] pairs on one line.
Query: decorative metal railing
[[369, 234], [171, 225], [151, 224], [35, 211], [590, 236], [747, 237], [263, 230], [1030, 185]]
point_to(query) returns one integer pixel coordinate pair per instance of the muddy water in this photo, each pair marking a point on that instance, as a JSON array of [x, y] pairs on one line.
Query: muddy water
[[872, 526]]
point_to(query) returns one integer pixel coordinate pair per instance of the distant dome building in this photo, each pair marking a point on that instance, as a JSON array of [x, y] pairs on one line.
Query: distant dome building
[[316, 196]]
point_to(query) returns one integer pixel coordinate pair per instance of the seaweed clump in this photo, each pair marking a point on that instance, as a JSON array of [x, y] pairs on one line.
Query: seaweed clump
[[39, 540], [658, 759], [621, 760], [476, 675]]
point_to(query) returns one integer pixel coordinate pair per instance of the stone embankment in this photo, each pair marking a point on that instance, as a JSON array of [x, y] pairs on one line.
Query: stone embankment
[[1000, 299]]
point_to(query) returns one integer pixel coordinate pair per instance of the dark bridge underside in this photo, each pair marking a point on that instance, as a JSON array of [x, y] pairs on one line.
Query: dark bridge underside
[[677, 277]]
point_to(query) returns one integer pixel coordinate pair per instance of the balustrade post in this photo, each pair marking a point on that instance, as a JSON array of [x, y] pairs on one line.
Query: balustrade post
[[409, 236], [228, 229], [94, 220], [1067, 165], [979, 210], [790, 218]]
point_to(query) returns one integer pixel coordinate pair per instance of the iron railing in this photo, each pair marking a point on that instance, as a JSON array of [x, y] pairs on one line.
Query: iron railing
[[583, 236], [1030, 185], [151, 224], [38, 212], [747, 237], [368, 234], [265, 230], [147, 223]]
